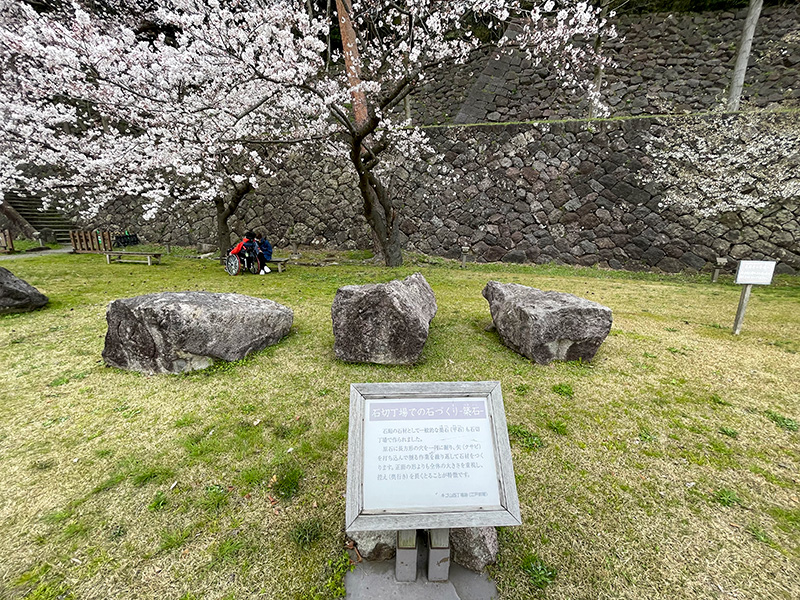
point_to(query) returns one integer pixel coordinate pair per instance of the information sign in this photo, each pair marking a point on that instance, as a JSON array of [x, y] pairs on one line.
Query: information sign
[[429, 455], [750, 273], [755, 272]]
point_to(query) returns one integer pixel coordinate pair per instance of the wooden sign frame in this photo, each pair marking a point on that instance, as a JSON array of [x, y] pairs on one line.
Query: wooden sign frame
[[357, 519]]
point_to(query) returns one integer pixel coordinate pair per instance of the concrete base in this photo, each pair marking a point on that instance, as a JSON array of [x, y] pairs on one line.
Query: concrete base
[[438, 554], [376, 581], [405, 559]]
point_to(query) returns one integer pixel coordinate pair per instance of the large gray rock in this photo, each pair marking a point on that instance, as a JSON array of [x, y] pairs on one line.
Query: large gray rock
[[173, 332], [474, 547], [385, 323], [17, 295], [547, 326]]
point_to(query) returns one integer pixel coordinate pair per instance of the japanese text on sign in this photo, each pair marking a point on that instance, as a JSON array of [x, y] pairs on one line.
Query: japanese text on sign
[[429, 453], [755, 272], [432, 409]]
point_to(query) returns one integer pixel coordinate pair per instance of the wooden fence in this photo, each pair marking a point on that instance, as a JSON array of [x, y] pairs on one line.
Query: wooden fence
[[90, 241]]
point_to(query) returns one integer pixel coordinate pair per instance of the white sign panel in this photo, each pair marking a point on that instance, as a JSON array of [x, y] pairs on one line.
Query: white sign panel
[[755, 272], [429, 453], [429, 456]]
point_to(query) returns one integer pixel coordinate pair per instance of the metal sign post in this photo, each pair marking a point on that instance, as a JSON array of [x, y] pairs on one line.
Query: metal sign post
[[750, 273]]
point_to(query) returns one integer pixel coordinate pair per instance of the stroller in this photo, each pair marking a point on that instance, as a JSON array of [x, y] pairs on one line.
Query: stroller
[[245, 260]]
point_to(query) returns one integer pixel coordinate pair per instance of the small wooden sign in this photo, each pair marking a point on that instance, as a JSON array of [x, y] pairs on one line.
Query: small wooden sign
[[755, 272], [429, 456]]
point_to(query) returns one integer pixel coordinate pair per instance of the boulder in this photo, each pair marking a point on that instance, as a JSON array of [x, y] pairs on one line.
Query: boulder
[[174, 332], [547, 326], [385, 323], [375, 545], [17, 295], [474, 547]]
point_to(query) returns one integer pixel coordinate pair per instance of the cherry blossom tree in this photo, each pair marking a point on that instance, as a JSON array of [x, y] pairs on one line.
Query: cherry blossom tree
[[732, 162], [202, 103]]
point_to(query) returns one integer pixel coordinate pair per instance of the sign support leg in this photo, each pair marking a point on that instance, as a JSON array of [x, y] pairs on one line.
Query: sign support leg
[[405, 566], [737, 324], [438, 554]]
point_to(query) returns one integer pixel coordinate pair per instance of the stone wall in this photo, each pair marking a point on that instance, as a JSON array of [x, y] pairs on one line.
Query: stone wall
[[575, 192], [570, 192], [665, 64], [176, 224]]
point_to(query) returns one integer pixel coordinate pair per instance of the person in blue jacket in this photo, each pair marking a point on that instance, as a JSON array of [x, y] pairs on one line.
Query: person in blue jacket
[[264, 249]]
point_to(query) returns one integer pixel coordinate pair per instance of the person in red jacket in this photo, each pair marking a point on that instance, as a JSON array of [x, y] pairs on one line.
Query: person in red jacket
[[249, 242], [246, 256]]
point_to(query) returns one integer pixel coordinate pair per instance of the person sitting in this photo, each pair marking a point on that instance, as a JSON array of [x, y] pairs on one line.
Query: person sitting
[[248, 242], [264, 249]]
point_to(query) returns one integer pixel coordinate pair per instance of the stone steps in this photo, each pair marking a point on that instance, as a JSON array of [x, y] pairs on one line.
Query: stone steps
[[30, 208]]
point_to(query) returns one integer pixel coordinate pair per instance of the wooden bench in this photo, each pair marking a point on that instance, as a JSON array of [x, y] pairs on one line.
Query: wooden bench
[[99, 242], [280, 262], [6, 241], [147, 257]]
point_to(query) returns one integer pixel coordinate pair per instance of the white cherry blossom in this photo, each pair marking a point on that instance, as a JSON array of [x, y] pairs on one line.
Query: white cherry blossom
[[202, 103]]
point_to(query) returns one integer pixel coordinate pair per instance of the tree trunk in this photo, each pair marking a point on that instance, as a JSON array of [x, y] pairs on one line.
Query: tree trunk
[[379, 210], [226, 208], [351, 60], [382, 216], [328, 20], [743, 56], [387, 234], [223, 234]]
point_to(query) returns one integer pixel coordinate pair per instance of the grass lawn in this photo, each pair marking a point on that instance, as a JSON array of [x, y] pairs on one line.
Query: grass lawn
[[666, 468]]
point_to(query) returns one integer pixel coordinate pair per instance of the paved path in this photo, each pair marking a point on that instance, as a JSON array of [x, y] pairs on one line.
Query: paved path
[[375, 581], [17, 255]]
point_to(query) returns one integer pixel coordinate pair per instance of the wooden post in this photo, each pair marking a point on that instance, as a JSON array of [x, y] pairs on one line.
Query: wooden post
[[737, 324], [743, 54], [405, 566], [464, 253], [6, 241], [721, 262], [438, 554]]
